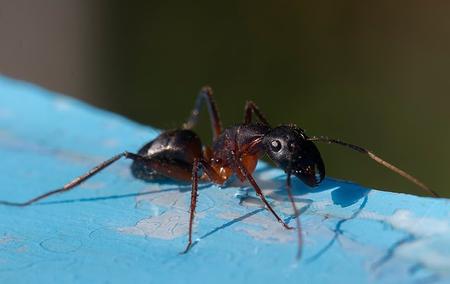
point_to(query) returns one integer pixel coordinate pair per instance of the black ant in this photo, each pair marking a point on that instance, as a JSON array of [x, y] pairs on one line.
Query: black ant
[[179, 154]]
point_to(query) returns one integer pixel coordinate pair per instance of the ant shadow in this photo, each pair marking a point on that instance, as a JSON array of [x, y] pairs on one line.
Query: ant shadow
[[181, 187], [343, 193], [337, 232], [227, 224]]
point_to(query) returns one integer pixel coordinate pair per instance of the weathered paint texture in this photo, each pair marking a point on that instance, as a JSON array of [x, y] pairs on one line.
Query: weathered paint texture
[[117, 229]]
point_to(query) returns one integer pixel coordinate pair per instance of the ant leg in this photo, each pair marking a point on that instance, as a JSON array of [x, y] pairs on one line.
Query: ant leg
[[260, 194], [194, 193], [205, 95], [297, 216], [79, 180], [194, 196], [376, 159], [250, 109]]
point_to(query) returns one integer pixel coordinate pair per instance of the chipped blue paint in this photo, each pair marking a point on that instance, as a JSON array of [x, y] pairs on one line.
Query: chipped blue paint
[[117, 229]]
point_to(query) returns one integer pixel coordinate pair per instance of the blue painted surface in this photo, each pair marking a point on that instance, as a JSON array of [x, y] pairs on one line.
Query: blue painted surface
[[117, 229]]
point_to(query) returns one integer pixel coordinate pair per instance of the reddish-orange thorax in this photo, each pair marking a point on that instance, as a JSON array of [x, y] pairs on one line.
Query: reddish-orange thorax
[[236, 145]]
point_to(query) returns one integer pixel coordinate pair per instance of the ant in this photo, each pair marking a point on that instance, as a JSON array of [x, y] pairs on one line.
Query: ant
[[179, 154]]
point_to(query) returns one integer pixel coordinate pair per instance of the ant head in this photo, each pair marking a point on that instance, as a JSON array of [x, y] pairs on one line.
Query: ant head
[[288, 147]]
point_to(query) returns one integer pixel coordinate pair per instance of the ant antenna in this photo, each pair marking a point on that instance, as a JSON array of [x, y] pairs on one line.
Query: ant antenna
[[74, 183], [376, 159]]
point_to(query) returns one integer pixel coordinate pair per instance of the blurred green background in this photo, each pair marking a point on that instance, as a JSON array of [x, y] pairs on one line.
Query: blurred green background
[[372, 73]]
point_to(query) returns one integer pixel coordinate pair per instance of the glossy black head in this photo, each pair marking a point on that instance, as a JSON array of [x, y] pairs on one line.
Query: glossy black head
[[288, 147]]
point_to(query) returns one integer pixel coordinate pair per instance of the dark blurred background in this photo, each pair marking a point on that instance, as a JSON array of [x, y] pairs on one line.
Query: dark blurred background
[[372, 73]]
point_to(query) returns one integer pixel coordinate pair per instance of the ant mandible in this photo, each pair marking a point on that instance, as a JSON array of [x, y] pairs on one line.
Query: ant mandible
[[179, 154]]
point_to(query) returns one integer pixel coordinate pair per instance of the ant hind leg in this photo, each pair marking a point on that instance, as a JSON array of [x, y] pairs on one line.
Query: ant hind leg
[[77, 181], [205, 95]]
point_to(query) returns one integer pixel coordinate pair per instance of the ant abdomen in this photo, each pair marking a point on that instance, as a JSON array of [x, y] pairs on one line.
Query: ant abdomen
[[177, 147]]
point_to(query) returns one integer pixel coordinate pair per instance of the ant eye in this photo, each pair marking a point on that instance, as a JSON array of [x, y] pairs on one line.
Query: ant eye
[[291, 147], [275, 145]]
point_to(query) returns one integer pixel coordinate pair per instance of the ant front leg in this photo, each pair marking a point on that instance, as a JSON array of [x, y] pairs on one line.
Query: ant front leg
[[296, 214], [205, 95], [250, 109], [259, 192]]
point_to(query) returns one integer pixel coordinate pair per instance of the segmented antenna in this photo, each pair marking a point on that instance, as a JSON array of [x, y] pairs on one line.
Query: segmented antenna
[[376, 159]]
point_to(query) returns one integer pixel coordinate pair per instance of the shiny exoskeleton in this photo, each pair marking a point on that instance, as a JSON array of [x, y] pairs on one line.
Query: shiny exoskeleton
[[179, 154]]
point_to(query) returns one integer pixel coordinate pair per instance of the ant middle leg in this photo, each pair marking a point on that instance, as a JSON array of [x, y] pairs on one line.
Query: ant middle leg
[[250, 109], [206, 96], [194, 195], [214, 177]]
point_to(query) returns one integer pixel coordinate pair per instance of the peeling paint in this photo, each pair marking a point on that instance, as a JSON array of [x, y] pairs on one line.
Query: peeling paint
[[131, 231]]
